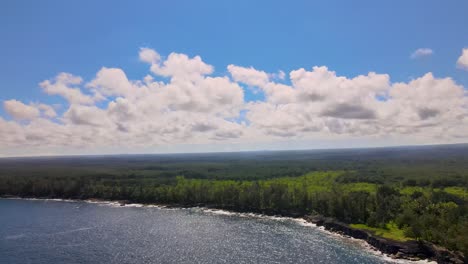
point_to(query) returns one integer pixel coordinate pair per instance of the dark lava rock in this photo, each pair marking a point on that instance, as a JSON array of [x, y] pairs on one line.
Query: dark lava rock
[[412, 249]]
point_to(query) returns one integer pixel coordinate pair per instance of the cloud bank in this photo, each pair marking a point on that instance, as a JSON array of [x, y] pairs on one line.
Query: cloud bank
[[180, 102]]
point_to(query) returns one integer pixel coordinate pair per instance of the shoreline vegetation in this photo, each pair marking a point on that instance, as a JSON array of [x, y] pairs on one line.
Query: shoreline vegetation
[[409, 202]]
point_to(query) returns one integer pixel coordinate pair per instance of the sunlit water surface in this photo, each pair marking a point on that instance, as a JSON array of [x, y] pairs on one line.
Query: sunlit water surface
[[38, 231]]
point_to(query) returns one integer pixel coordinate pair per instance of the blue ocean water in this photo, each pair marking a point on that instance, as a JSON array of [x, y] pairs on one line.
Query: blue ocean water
[[38, 231]]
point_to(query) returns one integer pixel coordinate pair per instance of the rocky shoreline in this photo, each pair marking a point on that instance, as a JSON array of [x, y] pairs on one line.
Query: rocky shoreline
[[411, 250]]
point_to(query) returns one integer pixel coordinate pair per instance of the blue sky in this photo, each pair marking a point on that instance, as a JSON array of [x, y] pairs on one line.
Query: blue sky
[[40, 39]]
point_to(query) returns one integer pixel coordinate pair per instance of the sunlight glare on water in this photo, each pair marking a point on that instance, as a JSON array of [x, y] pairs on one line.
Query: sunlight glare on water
[[65, 232]]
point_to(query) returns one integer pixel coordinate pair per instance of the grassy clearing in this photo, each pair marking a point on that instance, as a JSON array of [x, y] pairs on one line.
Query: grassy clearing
[[360, 186], [391, 231], [458, 191], [410, 190], [318, 181]]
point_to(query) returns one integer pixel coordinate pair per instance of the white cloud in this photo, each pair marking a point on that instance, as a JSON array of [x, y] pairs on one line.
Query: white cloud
[[427, 101], [111, 82], [149, 56], [20, 111], [47, 110], [421, 52], [195, 108], [249, 76], [281, 75], [86, 115], [64, 85], [180, 66], [321, 103], [321, 84], [462, 61]]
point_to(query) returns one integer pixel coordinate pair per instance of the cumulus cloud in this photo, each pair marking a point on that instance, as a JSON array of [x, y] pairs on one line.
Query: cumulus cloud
[[421, 52], [149, 56], [190, 105], [462, 61], [47, 110], [20, 111], [64, 85], [111, 82], [349, 111], [249, 76], [428, 101], [86, 115], [181, 66], [319, 102]]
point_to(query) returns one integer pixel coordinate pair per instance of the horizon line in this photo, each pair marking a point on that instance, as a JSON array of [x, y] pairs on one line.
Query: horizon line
[[241, 151]]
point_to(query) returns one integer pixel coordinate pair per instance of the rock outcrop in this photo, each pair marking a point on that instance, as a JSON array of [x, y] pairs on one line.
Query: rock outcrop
[[412, 249]]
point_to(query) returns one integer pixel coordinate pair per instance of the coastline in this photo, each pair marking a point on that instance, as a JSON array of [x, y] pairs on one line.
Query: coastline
[[409, 251]]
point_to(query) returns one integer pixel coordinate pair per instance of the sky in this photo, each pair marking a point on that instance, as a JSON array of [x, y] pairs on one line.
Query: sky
[[117, 77]]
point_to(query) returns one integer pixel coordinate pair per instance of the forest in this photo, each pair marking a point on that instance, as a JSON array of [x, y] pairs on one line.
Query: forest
[[400, 193]]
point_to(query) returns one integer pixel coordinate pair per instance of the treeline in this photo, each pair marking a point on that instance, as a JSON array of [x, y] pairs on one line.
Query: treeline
[[429, 166], [431, 214]]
